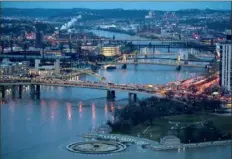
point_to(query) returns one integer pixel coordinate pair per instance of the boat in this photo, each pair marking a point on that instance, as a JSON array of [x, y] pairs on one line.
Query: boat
[[109, 67]]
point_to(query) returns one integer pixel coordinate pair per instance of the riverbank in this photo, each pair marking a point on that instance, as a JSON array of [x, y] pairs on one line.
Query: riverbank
[[118, 31], [161, 126], [147, 36], [152, 145], [193, 145]]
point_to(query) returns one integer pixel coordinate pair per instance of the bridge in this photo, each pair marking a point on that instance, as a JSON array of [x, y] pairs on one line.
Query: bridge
[[159, 91], [167, 63], [110, 87], [178, 62], [82, 71], [151, 43], [166, 56], [182, 59]]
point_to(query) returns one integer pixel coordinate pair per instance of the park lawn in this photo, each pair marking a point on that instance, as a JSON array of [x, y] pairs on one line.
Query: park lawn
[[224, 123], [190, 118], [161, 126], [157, 130]]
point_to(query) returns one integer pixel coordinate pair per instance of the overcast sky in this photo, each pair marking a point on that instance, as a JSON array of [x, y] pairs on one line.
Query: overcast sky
[[124, 5]]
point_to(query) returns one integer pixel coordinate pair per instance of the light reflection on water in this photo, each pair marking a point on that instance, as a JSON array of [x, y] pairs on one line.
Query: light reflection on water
[[62, 114]]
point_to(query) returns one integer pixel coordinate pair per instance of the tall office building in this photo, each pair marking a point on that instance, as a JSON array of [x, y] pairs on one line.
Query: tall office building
[[224, 51], [39, 39]]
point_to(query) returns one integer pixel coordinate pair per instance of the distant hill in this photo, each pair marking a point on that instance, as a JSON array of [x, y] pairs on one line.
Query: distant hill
[[93, 13], [88, 13]]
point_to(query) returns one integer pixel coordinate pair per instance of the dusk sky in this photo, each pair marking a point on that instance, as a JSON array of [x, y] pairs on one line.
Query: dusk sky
[[123, 5]]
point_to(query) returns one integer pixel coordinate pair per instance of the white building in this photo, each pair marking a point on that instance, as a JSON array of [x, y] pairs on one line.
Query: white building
[[224, 51], [110, 51], [14, 68], [55, 68], [150, 15], [170, 140]]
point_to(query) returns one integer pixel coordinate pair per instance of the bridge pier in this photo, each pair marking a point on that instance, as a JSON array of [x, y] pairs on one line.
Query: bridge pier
[[3, 91], [124, 66], [132, 97], [110, 94], [20, 91], [153, 49], [32, 89], [37, 91], [178, 68], [13, 92]]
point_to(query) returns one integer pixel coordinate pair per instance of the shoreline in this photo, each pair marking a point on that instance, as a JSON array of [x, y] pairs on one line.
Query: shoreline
[[118, 31], [193, 145], [154, 145], [149, 37]]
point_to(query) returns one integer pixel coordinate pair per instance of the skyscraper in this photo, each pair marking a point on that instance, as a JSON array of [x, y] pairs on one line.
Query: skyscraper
[[39, 39], [224, 51]]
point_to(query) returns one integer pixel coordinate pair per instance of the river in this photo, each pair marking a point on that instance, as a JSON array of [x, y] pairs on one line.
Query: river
[[122, 36], [41, 129]]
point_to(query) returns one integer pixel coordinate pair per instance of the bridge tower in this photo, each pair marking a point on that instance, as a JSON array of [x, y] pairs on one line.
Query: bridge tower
[[124, 66], [136, 56], [2, 88], [185, 57], [178, 63], [57, 66], [20, 91], [145, 54], [153, 49], [178, 60]]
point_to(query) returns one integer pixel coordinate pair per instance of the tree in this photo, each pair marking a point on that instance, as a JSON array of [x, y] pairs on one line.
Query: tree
[[170, 94], [43, 48], [11, 44], [61, 46], [127, 48], [25, 46], [70, 46], [3, 46]]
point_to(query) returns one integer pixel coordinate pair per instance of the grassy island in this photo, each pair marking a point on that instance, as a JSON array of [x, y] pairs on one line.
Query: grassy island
[[191, 122]]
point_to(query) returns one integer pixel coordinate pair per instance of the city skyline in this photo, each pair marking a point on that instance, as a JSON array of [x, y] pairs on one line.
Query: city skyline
[[167, 6]]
